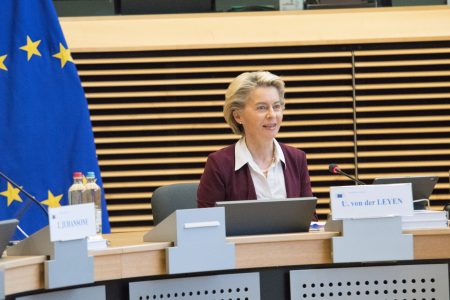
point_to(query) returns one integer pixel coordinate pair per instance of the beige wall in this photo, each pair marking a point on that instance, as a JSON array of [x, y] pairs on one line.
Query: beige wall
[[217, 30]]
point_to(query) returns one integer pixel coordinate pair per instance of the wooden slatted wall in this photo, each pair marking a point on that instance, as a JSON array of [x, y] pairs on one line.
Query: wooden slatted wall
[[403, 112], [158, 114]]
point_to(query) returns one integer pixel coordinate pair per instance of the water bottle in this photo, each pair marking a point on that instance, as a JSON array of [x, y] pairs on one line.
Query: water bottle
[[93, 194], [76, 190]]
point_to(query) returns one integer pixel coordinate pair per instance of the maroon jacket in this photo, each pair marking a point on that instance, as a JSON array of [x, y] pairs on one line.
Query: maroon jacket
[[220, 182]]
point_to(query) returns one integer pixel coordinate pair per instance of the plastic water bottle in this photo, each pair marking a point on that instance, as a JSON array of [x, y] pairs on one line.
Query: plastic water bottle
[[93, 194], [76, 190]]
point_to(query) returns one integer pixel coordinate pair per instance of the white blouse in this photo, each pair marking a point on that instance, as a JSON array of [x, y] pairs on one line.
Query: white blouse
[[272, 187]]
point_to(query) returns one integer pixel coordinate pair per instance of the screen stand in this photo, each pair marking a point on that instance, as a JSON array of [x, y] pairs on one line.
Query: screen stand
[[2, 284], [199, 240], [371, 239], [69, 262]]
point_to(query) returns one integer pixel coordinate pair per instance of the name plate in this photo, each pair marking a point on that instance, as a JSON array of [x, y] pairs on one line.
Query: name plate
[[71, 222], [371, 201]]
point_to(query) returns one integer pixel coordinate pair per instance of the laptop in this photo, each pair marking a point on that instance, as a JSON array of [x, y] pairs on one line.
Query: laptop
[[253, 217], [7, 229], [422, 186]]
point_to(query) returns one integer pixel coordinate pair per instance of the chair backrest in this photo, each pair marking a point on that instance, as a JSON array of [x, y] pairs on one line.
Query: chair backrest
[[167, 199]]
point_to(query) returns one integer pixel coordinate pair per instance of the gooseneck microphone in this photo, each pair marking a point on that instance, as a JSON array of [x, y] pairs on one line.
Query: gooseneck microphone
[[29, 196], [334, 169]]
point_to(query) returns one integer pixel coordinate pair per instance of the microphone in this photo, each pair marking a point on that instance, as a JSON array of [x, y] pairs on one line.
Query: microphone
[[31, 197], [334, 169]]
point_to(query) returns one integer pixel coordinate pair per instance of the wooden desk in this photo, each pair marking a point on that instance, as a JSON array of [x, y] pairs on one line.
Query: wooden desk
[[129, 257]]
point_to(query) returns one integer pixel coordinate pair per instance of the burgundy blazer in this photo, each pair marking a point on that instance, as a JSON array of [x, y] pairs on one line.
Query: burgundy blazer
[[220, 182]]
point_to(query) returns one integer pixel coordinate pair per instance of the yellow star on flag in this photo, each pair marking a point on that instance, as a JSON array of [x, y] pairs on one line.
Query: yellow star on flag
[[63, 55], [2, 64], [31, 48], [52, 201], [12, 194]]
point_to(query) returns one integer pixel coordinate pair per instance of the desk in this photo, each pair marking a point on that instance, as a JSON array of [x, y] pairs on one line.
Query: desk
[[128, 257]]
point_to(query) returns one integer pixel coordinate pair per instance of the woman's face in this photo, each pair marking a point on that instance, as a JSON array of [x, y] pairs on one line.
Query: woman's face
[[262, 114]]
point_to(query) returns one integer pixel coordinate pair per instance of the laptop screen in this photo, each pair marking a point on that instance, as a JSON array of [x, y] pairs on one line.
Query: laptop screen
[[252, 217], [7, 229], [422, 186]]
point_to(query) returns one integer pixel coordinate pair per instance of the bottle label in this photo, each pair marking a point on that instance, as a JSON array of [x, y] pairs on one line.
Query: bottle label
[[98, 221]]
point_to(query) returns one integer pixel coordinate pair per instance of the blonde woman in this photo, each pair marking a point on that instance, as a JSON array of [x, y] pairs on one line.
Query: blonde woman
[[257, 166]]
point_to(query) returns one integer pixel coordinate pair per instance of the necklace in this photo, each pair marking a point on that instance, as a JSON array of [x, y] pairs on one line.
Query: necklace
[[266, 170]]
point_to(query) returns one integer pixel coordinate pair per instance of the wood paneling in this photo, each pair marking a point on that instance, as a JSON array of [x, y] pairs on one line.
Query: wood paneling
[[162, 119], [403, 113]]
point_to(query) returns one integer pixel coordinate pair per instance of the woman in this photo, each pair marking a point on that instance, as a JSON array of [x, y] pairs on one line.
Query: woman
[[257, 166]]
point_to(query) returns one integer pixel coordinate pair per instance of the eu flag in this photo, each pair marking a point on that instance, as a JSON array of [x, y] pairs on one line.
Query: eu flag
[[45, 129]]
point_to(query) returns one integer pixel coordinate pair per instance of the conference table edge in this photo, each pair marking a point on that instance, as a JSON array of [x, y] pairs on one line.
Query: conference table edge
[[140, 259]]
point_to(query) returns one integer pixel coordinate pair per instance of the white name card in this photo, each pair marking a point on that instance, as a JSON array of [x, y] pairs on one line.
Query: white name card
[[371, 201], [71, 222]]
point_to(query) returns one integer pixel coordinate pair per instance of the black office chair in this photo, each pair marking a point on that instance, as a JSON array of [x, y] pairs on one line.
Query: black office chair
[[167, 199]]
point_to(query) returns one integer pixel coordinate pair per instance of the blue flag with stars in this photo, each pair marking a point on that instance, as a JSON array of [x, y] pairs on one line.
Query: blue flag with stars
[[45, 129]]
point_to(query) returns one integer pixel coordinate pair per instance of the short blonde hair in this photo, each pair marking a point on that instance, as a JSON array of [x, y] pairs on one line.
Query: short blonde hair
[[239, 90]]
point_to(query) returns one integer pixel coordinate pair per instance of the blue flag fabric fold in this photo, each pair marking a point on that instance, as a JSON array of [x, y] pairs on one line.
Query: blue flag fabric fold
[[45, 128]]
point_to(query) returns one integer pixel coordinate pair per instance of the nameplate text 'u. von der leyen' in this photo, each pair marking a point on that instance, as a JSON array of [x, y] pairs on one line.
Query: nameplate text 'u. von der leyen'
[[371, 201], [72, 222]]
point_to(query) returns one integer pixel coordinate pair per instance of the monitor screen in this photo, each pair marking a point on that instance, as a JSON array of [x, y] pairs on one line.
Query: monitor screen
[[252, 217], [7, 229], [422, 186]]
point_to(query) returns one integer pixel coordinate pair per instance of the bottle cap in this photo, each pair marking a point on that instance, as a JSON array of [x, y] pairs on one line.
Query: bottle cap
[[77, 175], [90, 175]]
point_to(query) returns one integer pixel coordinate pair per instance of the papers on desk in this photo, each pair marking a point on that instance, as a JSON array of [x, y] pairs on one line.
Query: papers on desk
[[423, 219], [97, 242], [291, 4]]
